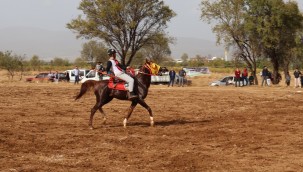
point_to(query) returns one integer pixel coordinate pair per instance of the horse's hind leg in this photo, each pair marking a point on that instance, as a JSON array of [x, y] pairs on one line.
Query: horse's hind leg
[[151, 116], [129, 112]]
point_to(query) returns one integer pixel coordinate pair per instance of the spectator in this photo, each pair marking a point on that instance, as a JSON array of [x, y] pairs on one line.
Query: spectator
[[251, 79], [100, 70], [297, 75], [50, 75], [244, 76], [76, 72], [56, 77], [99, 66], [182, 74], [269, 77], [237, 77], [264, 75], [172, 75], [287, 79], [67, 76], [53, 76]]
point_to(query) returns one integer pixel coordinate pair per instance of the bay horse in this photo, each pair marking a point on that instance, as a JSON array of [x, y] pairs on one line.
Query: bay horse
[[104, 94]]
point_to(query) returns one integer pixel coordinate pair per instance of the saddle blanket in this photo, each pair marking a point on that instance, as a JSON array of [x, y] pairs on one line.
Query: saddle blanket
[[120, 85]]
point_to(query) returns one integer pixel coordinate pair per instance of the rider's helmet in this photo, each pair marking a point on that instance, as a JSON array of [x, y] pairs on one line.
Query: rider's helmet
[[111, 52]]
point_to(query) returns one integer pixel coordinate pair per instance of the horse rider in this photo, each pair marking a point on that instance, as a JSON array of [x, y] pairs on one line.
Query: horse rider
[[114, 66]]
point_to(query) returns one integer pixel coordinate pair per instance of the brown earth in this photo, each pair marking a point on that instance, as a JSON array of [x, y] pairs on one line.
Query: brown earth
[[197, 128]]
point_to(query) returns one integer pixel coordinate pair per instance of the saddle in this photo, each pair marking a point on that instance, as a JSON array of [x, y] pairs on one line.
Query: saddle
[[117, 84]]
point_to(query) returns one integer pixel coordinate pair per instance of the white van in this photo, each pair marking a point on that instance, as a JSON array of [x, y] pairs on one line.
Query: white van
[[93, 75], [83, 72]]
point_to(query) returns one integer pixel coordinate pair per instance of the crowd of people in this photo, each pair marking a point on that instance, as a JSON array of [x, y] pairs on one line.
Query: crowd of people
[[267, 78], [58, 76], [243, 77]]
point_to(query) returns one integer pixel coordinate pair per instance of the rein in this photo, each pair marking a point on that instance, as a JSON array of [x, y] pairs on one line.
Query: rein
[[146, 73]]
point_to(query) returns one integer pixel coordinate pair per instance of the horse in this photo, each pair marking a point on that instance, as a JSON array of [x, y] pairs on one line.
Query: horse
[[104, 94]]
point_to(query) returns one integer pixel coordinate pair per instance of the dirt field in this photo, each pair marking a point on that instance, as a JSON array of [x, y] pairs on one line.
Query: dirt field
[[198, 128]]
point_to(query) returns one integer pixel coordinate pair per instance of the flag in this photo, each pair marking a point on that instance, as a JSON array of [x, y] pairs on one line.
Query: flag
[[154, 68]]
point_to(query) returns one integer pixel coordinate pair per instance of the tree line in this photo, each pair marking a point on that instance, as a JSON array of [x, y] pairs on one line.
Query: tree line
[[258, 29], [17, 65], [255, 30]]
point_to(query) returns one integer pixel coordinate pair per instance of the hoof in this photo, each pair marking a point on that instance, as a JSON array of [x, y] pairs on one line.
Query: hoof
[[124, 123], [152, 124], [91, 127]]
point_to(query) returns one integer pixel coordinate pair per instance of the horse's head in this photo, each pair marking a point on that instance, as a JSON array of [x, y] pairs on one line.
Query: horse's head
[[150, 68]]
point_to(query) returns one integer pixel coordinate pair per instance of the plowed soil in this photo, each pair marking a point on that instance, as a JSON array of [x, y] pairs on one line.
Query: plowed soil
[[197, 128]]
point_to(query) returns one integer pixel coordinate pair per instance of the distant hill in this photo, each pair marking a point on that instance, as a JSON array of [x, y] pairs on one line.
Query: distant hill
[[44, 43], [49, 44], [196, 46]]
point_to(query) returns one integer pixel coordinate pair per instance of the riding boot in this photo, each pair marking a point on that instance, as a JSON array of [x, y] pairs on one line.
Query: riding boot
[[131, 95]]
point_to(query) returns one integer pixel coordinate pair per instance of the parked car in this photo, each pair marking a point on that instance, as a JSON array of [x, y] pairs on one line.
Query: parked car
[[225, 81], [83, 72], [186, 81], [62, 76], [41, 77], [163, 71], [93, 75]]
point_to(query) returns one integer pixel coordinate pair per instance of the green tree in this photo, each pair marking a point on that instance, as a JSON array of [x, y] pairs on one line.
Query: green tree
[[57, 61], [275, 23], [217, 63], [94, 51], [80, 62], [35, 63], [197, 61], [138, 59], [126, 25], [12, 63], [159, 49], [184, 59], [257, 28], [229, 17]]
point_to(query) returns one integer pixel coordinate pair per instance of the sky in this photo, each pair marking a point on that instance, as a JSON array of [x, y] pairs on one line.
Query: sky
[[45, 14], [53, 15]]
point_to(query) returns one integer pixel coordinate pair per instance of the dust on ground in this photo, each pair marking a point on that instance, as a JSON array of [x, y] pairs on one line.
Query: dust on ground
[[197, 128]]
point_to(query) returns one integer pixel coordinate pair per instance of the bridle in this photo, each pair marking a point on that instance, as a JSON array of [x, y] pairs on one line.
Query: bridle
[[141, 70], [146, 67]]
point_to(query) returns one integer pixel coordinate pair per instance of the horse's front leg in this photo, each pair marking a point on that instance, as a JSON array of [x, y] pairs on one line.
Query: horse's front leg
[[98, 105], [129, 112], [92, 113], [151, 116], [103, 114]]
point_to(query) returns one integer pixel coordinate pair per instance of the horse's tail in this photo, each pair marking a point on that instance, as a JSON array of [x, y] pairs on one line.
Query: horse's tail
[[87, 85]]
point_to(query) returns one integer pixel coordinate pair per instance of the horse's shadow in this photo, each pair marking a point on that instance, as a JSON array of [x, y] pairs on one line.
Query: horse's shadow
[[165, 123]]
